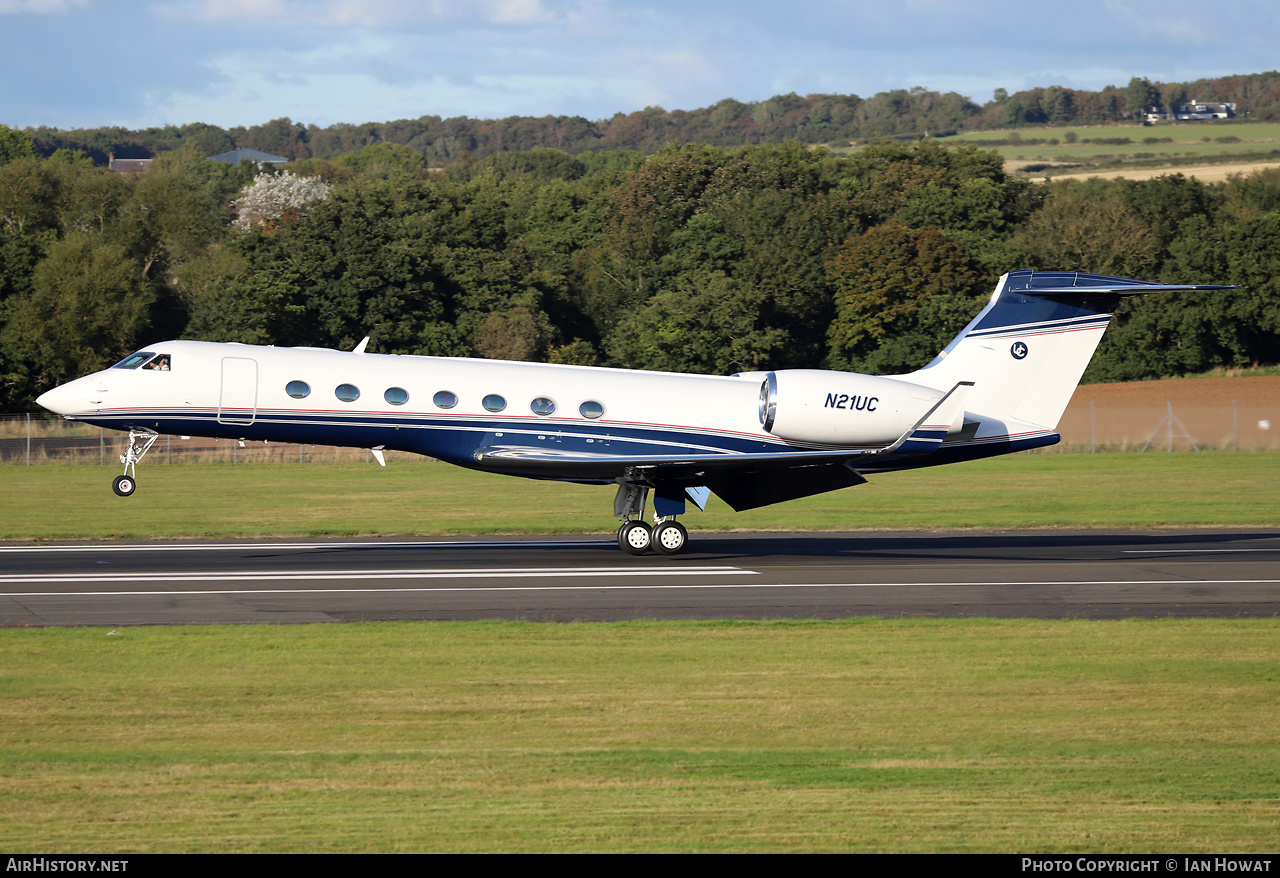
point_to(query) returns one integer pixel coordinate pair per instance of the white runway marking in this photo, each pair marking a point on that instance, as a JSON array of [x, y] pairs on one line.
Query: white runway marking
[[441, 573], [1193, 551], [594, 588]]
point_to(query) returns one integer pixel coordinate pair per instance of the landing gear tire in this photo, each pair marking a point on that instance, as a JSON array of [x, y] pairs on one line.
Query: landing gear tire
[[669, 538], [124, 485], [634, 537]]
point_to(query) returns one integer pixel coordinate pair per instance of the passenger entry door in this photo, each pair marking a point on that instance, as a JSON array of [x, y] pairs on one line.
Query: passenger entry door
[[238, 402]]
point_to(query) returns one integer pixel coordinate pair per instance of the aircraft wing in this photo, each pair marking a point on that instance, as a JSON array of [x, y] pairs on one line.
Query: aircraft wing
[[544, 463], [744, 481]]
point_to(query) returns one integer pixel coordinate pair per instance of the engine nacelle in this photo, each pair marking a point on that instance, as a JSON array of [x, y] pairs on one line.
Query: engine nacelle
[[842, 408]]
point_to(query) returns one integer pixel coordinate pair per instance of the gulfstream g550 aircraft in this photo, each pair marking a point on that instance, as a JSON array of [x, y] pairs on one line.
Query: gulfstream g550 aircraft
[[753, 438]]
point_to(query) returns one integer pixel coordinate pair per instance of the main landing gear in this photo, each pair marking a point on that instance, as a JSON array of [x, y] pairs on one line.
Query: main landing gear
[[140, 442], [666, 537]]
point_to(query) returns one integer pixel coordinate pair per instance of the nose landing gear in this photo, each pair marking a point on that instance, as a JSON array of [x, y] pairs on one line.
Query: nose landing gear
[[140, 442]]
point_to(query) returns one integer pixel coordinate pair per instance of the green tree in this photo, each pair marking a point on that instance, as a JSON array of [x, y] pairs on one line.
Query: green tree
[[88, 307], [383, 161], [900, 295], [539, 162], [639, 220], [1078, 230], [707, 323], [1139, 95], [15, 144], [30, 192]]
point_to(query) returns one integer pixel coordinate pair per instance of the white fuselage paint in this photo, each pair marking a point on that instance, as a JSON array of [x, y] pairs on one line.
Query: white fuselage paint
[[239, 391], [233, 390]]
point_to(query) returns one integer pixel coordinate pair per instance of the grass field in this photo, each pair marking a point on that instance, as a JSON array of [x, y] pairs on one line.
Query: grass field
[[1193, 143], [852, 735], [412, 496], [864, 735]]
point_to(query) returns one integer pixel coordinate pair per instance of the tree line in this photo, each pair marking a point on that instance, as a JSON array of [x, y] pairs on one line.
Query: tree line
[[811, 119], [696, 258]]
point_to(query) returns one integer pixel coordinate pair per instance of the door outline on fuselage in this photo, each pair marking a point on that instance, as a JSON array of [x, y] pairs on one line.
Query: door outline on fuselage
[[239, 392]]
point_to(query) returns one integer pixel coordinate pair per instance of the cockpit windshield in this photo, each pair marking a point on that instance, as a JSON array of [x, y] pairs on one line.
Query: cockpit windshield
[[149, 360], [133, 361]]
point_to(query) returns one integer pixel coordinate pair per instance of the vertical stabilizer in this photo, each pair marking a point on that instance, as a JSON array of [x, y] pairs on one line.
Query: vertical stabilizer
[[1026, 350]]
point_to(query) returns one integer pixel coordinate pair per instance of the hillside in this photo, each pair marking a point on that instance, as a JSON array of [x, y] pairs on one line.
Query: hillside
[[835, 119]]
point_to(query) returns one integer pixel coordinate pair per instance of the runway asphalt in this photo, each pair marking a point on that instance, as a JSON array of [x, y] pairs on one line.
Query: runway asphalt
[[1040, 574]]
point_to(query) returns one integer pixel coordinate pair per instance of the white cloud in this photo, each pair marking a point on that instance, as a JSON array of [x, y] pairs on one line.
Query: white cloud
[[39, 7], [518, 12], [370, 14], [327, 85]]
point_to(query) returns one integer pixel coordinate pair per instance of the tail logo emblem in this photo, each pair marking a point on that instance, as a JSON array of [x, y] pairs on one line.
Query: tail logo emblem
[[1019, 350]]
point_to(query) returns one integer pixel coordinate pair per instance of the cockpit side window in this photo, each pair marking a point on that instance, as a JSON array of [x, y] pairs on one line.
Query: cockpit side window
[[159, 364], [133, 361]]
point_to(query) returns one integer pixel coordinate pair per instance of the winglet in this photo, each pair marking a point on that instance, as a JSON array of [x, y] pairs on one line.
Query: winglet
[[930, 430], [359, 349]]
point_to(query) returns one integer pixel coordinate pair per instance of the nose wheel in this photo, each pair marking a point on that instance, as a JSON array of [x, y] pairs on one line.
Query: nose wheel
[[124, 485]]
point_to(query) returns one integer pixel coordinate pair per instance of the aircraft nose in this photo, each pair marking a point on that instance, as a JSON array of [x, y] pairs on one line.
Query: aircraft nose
[[56, 400], [74, 396]]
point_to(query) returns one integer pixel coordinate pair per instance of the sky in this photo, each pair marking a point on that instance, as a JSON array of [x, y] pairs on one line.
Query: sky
[[92, 63]]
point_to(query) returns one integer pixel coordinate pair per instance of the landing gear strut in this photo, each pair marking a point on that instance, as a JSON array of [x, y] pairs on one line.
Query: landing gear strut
[[140, 442]]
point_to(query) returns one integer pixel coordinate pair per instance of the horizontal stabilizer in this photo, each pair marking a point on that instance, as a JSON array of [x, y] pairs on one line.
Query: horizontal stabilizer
[[1060, 283]]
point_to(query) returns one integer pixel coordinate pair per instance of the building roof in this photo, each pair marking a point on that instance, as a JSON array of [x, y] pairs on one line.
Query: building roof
[[127, 166], [236, 156]]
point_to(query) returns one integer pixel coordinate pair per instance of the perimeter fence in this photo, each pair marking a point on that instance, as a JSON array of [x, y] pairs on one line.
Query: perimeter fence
[[1229, 426], [37, 439]]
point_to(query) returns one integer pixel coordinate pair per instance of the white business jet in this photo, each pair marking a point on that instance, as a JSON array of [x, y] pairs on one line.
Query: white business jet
[[753, 438]]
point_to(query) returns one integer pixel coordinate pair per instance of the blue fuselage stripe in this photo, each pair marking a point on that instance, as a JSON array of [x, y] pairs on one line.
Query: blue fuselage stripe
[[452, 438]]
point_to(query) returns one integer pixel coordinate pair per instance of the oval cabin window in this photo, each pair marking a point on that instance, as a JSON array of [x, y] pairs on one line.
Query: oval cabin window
[[347, 392], [591, 409], [298, 389], [445, 399], [542, 406], [396, 395], [494, 403]]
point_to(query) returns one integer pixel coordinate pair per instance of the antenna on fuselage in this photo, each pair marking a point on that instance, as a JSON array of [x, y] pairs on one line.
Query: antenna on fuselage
[[359, 349]]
